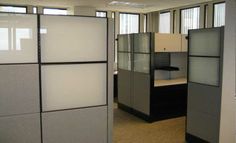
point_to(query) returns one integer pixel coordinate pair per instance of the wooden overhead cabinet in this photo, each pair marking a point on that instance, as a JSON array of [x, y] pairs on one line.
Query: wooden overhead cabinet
[[168, 42]]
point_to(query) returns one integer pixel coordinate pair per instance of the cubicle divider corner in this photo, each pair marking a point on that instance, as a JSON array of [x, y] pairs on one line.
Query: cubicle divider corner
[[55, 78], [205, 62], [137, 92]]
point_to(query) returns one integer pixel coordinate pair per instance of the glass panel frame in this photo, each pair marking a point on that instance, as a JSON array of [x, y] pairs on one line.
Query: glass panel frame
[[88, 86], [208, 45], [202, 73], [21, 34]]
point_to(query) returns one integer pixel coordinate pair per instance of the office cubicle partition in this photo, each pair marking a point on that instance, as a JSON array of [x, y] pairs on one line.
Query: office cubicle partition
[[138, 92], [205, 60], [55, 74]]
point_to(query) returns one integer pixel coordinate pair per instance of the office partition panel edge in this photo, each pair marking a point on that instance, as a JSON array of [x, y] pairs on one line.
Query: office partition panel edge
[[37, 126], [204, 96]]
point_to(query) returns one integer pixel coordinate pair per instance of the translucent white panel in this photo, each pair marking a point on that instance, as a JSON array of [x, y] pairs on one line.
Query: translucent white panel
[[18, 38], [124, 61], [124, 43], [164, 23], [142, 42], [73, 86], [205, 42], [142, 63], [70, 39], [204, 70]]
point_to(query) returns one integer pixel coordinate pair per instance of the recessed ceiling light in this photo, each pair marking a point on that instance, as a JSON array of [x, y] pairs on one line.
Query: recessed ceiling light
[[127, 4]]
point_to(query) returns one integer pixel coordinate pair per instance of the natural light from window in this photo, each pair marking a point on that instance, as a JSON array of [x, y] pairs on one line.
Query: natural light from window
[[129, 23]]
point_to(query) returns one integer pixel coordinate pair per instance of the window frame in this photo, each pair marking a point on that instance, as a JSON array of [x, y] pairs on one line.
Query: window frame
[[180, 21], [138, 14], [17, 6]]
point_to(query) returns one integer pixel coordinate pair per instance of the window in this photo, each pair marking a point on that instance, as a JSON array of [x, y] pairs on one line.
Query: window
[[190, 19], [15, 9], [35, 9], [113, 15], [101, 14], [145, 23], [219, 14], [164, 22], [206, 16], [55, 11], [129, 23]]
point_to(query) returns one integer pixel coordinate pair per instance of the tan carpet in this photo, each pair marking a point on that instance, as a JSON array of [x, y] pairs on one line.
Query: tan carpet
[[130, 129]]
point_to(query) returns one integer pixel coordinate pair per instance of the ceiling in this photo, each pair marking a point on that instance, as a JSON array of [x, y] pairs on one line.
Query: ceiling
[[114, 5]]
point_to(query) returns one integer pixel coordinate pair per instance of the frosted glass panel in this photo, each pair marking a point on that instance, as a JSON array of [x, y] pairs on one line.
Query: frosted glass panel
[[73, 86], [141, 63], [142, 43], [124, 61], [124, 43], [204, 70], [70, 39], [18, 38], [205, 42]]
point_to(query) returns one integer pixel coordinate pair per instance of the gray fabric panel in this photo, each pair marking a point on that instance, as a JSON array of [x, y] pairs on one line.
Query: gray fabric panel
[[141, 95], [88, 125], [205, 99], [203, 126], [124, 87], [19, 89], [20, 129]]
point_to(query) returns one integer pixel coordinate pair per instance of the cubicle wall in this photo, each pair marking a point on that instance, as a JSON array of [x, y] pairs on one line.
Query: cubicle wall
[[19, 84], [54, 85], [134, 79], [204, 84]]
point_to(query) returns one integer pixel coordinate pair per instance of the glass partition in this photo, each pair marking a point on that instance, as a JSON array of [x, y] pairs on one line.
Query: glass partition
[[18, 38], [124, 43], [142, 42], [205, 56], [142, 63], [204, 70], [73, 39], [73, 86], [205, 42], [124, 61]]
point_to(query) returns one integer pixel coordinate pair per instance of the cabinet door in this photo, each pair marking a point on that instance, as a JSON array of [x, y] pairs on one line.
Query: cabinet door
[[184, 41], [167, 42]]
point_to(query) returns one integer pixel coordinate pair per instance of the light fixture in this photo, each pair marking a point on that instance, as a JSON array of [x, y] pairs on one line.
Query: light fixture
[[127, 4]]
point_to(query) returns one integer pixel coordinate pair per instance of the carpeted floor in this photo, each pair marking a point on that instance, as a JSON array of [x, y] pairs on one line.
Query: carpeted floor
[[130, 129]]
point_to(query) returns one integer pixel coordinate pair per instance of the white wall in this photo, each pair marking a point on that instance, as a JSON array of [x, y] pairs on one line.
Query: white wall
[[228, 124]]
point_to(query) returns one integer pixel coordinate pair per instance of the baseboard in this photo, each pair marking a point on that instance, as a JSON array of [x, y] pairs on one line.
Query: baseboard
[[193, 139]]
